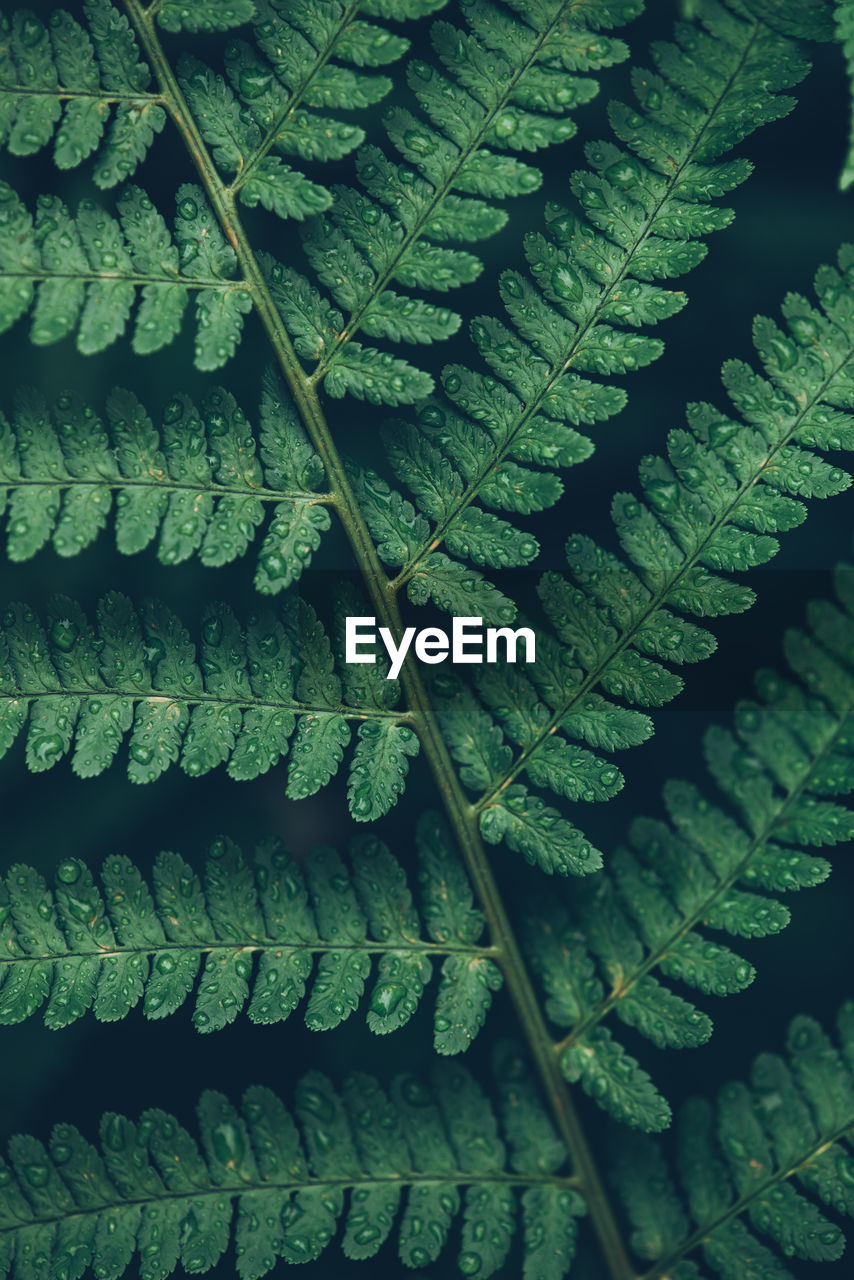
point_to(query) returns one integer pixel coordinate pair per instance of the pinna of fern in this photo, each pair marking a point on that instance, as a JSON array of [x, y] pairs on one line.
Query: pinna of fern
[[66, 81], [83, 273], [591, 288], [409, 1162], [203, 482], [645, 208], [505, 87], [653, 920], [618, 625], [241, 703], [756, 1169], [314, 930]]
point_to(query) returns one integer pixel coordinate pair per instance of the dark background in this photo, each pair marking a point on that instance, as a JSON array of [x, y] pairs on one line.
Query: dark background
[[790, 218]]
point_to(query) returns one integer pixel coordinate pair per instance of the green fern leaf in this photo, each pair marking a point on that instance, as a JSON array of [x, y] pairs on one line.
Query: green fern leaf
[[138, 673], [259, 936], [197, 484], [505, 87], [66, 83], [718, 502], [844, 16], [746, 1163], [644, 209], [606, 1072], [459, 590], [520, 819], [707, 869], [152, 1189], [84, 274], [302, 62]]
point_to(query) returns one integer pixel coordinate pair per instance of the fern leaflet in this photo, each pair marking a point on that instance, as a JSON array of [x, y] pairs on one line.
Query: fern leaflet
[[64, 83], [79, 947], [645, 208], [715, 505], [790, 755], [202, 15], [746, 1163], [303, 62], [506, 87], [436, 1151], [240, 704], [198, 482], [83, 274]]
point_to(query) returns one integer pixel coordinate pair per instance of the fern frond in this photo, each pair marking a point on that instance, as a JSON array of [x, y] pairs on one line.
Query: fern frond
[[755, 1167], [358, 1156], [645, 209], [203, 481], [813, 22], [506, 85], [83, 274], [240, 704], [67, 82], [712, 867], [521, 819], [642, 211], [268, 931], [778, 775], [844, 14], [714, 506], [300, 64]]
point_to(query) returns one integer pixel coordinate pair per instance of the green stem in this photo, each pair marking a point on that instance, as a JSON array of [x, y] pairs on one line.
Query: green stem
[[459, 1178], [253, 945], [460, 812]]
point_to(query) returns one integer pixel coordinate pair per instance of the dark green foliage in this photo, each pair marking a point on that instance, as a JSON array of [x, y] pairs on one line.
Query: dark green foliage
[[502, 87], [844, 13], [496, 445], [715, 506], [300, 64], [267, 931], [84, 273], [279, 1183], [82, 689], [202, 483], [82, 86], [714, 867], [757, 1169], [334, 230]]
